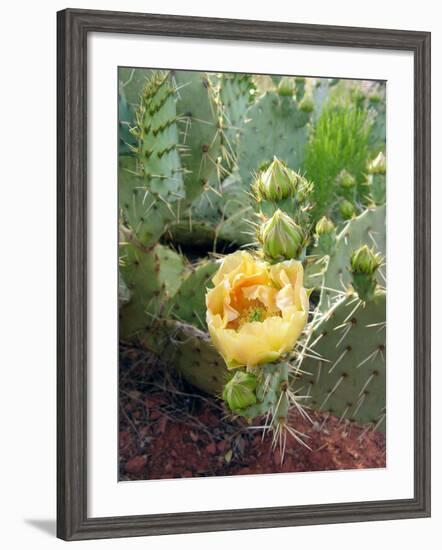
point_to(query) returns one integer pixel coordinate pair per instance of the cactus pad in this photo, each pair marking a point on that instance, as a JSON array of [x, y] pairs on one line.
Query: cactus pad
[[369, 229], [152, 277], [277, 127], [188, 305], [191, 352], [158, 159], [199, 132], [141, 211], [348, 378]]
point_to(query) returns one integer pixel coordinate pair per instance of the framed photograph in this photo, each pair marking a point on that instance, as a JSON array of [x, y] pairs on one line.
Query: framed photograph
[[243, 274]]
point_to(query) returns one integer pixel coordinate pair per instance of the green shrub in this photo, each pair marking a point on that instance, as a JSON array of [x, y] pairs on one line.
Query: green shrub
[[340, 140]]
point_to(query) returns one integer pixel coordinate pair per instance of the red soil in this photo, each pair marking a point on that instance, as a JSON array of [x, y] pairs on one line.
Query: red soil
[[168, 430]]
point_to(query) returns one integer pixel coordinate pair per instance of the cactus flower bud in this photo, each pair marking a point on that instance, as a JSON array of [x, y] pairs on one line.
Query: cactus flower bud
[[281, 237], [346, 180], [286, 86], [377, 165], [365, 260], [277, 182], [307, 104], [325, 236], [239, 392], [347, 209], [324, 226]]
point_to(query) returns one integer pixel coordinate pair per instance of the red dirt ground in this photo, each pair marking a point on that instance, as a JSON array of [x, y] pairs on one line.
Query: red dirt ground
[[168, 430]]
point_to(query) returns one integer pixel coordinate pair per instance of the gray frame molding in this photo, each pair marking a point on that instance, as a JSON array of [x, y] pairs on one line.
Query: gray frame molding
[[73, 27]]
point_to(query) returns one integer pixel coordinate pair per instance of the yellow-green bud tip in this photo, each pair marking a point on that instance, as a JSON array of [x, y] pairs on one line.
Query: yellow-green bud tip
[[307, 104], [377, 165], [365, 260], [347, 209], [275, 183], [324, 226], [239, 392], [281, 237], [346, 180], [286, 86]]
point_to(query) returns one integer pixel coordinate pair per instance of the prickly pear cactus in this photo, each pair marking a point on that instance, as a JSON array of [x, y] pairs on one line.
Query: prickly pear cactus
[[158, 143], [343, 372], [216, 219], [377, 105], [132, 81], [123, 292], [368, 228], [152, 182], [188, 303], [376, 179], [235, 95], [191, 144], [200, 135], [196, 358], [152, 277], [277, 127], [271, 393], [191, 352], [140, 210], [126, 121]]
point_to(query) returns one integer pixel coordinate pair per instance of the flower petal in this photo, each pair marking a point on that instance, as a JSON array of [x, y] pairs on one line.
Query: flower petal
[[241, 280]]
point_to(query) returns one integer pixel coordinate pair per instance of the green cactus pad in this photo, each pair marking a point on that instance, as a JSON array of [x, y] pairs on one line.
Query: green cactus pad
[[321, 91], [235, 98], [126, 121], [199, 131], [158, 159], [277, 127], [377, 188], [270, 393], [300, 82], [369, 229], [189, 302], [314, 268], [132, 81], [348, 378], [377, 104], [191, 352], [152, 277], [141, 211], [123, 292], [217, 218]]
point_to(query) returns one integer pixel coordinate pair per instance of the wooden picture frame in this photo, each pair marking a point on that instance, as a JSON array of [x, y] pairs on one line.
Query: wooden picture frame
[[73, 28]]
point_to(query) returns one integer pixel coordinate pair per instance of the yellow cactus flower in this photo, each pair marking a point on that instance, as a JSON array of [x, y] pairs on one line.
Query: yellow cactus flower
[[256, 311]]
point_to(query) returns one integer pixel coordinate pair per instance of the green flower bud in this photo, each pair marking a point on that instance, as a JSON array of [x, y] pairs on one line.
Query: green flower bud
[[325, 236], [287, 86], [346, 180], [239, 392], [365, 260], [377, 165], [307, 103], [324, 226], [364, 263], [281, 237], [277, 182], [347, 209]]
